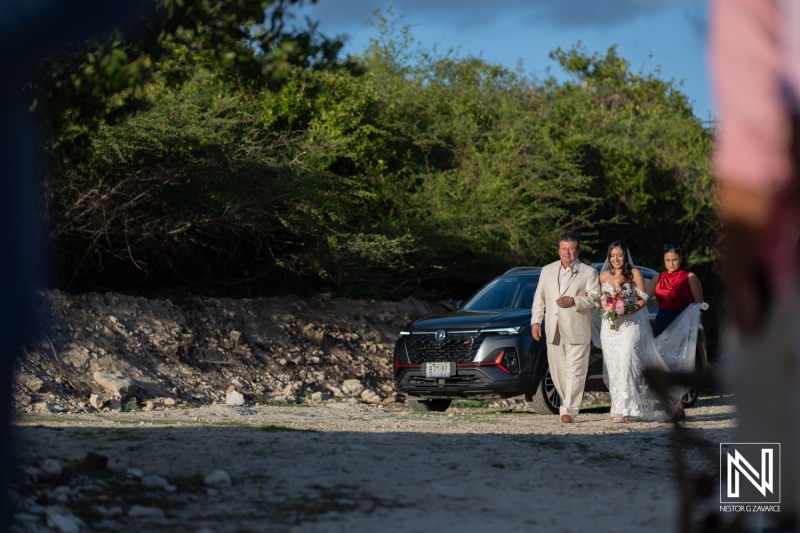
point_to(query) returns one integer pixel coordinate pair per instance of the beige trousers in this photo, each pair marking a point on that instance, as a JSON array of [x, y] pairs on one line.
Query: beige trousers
[[569, 364]]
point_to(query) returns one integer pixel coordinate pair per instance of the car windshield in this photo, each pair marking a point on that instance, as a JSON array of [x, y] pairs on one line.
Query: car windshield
[[517, 293], [504, 293]]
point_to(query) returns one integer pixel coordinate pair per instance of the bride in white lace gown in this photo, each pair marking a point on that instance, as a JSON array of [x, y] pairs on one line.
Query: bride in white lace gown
[[629, 349]]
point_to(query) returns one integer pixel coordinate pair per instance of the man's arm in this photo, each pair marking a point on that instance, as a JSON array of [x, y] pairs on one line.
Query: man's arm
[[585, 302], [538, 308]]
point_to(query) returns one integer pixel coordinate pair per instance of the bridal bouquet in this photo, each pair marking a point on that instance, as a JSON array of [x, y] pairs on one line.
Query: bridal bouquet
[[615, 304]]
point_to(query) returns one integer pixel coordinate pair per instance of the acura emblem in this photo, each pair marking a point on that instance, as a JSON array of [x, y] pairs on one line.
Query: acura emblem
[[440, 334]]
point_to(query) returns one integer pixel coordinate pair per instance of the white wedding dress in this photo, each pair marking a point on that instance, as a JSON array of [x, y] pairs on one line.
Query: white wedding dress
[[627, 352]]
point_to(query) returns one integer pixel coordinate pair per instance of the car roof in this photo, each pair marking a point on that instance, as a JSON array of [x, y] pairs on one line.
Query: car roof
[[523, 270], [597, 266]]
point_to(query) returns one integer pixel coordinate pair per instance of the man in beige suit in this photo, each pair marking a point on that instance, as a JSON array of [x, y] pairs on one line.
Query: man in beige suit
[[569, 321]]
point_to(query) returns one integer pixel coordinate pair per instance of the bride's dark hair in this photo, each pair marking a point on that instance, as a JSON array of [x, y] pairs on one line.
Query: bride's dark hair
[[627, 272]]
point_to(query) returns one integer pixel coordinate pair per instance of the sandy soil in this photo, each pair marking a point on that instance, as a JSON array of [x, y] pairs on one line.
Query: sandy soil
[[355, 467]]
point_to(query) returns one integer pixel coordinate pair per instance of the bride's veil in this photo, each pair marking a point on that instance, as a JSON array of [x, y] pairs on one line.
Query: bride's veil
[[596, 322], [607, 264]]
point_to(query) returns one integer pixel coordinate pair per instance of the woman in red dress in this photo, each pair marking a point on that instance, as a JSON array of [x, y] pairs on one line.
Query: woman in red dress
[[675, 289]]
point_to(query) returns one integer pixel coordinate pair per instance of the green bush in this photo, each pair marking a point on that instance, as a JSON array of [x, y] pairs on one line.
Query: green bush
[[403, 171]]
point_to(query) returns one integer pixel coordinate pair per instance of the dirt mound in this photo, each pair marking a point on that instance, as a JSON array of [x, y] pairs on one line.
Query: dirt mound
[[202, 351]]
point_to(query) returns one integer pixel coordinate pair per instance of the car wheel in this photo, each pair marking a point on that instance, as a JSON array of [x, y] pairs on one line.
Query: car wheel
[[690, 398], [426, 406], [546, 400]]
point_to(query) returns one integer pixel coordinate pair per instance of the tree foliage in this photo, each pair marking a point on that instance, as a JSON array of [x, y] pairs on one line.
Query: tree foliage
[[252, 163], [647, 152]]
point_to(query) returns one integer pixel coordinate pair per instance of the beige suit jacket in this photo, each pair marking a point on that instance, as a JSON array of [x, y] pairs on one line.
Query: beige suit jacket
[[573, 323]]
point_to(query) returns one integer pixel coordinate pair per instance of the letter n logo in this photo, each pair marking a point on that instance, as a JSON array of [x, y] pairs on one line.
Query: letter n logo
[[750, 472]]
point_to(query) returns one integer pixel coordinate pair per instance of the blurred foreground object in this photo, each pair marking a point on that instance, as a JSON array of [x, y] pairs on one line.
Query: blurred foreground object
[[755, 62]]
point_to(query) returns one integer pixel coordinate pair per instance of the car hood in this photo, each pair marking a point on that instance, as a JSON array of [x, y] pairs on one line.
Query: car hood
[[473, 320]]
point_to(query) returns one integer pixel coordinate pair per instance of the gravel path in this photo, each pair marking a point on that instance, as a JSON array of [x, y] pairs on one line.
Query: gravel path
[[353, 467]]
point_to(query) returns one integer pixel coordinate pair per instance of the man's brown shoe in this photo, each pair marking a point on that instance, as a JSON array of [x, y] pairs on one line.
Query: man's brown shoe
[[566, 419]]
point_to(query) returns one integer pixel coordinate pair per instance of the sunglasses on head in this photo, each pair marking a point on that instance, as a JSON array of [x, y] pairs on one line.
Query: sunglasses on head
[[670, 247]]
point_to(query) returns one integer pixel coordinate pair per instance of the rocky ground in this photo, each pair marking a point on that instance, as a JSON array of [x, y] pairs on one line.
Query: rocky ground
[[278, 414], [110, 351]]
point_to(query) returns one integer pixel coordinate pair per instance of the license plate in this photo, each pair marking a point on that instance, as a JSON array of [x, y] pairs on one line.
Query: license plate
[[437, 370]]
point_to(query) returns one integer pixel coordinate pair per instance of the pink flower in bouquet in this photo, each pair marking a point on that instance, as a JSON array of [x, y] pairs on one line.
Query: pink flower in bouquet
[[616, 304]]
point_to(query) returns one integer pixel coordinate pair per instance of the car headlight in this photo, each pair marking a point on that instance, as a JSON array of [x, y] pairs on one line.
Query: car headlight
[[505, 331]]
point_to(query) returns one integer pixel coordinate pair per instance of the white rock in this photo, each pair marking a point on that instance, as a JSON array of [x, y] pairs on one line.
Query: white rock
[[33, 472], [26, 517], [140, 511], [154, 482], [51, 467], [135, 472], [61, 494], [234, 398], [115, 384], [95, 401], [23, 399], [370, 397], [218, 478], [62, 519], [107, 524], [352, 387], [32, 383], [29, 505], [317, 396], [42, 407], [109, 511]]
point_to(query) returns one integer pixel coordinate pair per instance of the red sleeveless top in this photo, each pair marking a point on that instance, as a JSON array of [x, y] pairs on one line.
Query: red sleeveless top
[[673, 291]]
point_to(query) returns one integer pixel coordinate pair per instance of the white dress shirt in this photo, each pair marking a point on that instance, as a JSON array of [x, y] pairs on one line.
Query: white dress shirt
[[564, 273]]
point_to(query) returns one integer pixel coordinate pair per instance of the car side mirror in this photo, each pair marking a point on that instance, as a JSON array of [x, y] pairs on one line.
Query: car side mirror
[[459, 304]]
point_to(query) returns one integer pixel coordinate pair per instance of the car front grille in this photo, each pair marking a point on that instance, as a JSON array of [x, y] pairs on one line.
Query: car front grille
[[465, 378], [455, 348]]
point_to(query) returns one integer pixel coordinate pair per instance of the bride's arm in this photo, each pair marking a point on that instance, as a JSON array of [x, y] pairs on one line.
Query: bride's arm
[[638, 279]]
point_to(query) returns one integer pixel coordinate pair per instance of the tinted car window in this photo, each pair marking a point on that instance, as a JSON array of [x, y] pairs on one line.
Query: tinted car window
[[517, 293], [504, 293]]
